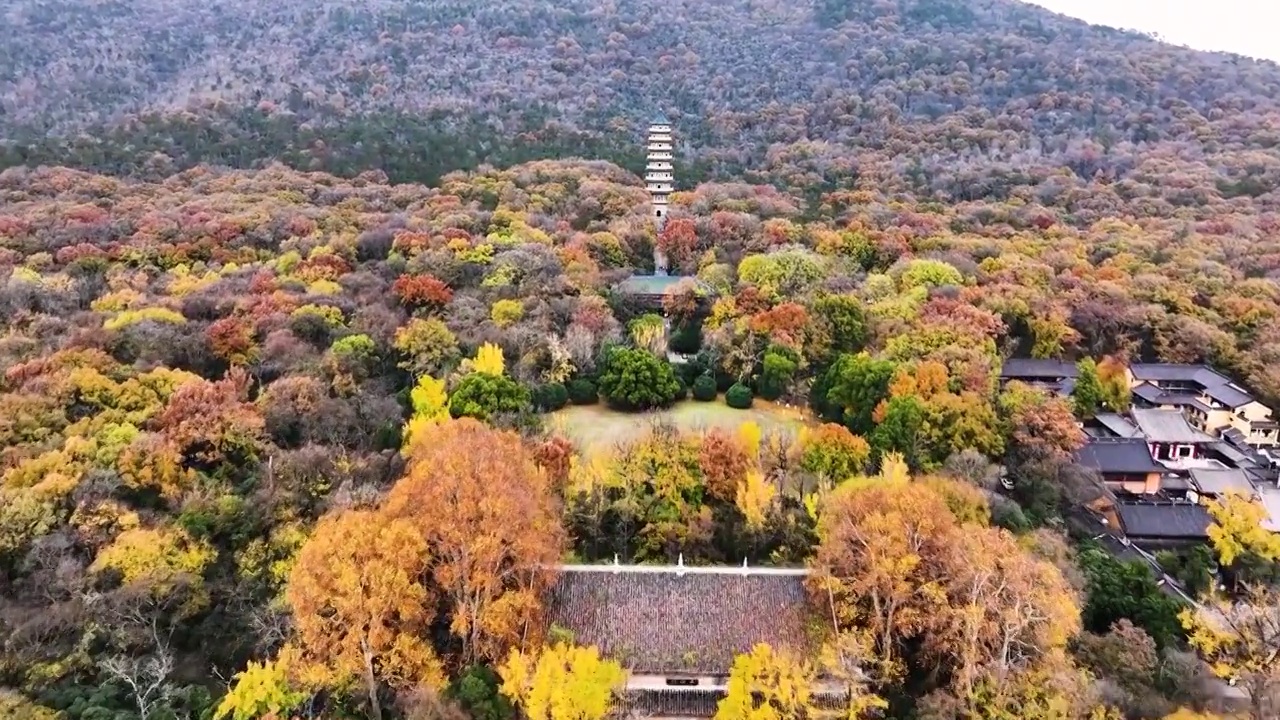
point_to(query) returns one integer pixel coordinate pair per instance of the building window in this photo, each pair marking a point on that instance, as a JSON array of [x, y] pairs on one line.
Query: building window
[[659, 213], [1184, 451]]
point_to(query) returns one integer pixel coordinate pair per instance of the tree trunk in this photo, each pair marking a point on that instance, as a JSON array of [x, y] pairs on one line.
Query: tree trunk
[[371, 684]]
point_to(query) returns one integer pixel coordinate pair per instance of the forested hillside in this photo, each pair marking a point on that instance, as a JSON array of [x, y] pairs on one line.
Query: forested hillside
[[294, 296], [941, 98], [223, 388]]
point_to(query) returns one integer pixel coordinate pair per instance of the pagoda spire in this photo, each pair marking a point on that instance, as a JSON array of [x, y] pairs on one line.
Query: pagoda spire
[[659, 179]]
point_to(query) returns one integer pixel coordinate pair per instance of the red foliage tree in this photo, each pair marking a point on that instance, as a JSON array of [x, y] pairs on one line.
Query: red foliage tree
[[213, 422], [678, 239], [421, 291], [783, 324], [724, 463], [231, 339], [552, 455]]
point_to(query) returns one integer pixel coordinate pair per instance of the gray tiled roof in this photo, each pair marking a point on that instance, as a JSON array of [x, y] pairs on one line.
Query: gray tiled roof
[[1035, 368], [1222, 481], [1118, 455], [1148, 392], [1154, 395], [655, 284], [1166, 426], [1164, 521], [1167, 372], [1215, 384], [660, 621], [1229, 395], [1118, 425]]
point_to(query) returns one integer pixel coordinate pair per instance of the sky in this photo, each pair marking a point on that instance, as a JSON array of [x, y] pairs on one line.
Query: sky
[[1247, 27]]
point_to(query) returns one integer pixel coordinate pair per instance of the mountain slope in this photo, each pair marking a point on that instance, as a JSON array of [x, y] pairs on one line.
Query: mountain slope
[[956, 99]]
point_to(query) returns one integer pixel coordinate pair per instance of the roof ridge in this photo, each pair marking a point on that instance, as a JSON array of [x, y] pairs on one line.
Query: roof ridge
[[688, 569]]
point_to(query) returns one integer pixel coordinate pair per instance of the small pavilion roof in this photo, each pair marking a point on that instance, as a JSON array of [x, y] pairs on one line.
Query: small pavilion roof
[[655, 284]]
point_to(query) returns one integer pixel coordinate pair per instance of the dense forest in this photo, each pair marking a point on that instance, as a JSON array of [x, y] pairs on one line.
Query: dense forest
[[226, 390], [292, 294]]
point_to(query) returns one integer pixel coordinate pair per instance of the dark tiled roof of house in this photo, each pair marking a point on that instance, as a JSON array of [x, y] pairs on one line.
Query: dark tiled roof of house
[[1118, 455], [1155, 396], [1244, 457], [1149, 393], [1174, 372], [1216, 385], [1164, 521], [656, 620], [1229, 395], [1034, 368], [1117, 425]]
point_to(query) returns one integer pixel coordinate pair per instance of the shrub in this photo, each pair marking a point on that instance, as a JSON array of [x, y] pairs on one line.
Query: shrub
[[482, 396], [476, 690], [506, 312], [550, 397], [704, 388], [739, 397], [686, 339], [632, 379], [583, 392]]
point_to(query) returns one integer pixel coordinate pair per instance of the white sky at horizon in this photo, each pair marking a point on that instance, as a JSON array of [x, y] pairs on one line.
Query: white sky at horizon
[[1246, 27]]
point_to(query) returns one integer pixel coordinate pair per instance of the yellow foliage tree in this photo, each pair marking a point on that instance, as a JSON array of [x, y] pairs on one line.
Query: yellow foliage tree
[[1052, 689], [261, 690], [430, 406], [1241, 641], [894, 468], [767, 685], [491, 519], [360, 608], [489, 360], [749, 434], [1187, 714], [16, 707], [967, 502], [1237, 529], [159, 557], [506, 312], [846, 658], [562, 682], [754, 499]]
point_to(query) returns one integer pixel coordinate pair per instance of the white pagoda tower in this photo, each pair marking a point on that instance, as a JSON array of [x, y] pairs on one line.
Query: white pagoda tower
[[658, 178]]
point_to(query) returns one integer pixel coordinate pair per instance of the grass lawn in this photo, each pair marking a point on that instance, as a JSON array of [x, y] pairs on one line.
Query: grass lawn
[[595, 427]]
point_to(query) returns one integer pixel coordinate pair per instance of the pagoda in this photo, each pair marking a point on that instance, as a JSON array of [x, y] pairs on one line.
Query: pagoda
[[658, 178]]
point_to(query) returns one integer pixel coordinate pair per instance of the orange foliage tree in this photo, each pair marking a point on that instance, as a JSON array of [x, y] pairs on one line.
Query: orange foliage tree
[[492, 525], [360, 608]]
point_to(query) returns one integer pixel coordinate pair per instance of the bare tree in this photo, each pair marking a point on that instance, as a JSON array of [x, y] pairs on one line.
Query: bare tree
[[140, 622], [147, 677]]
